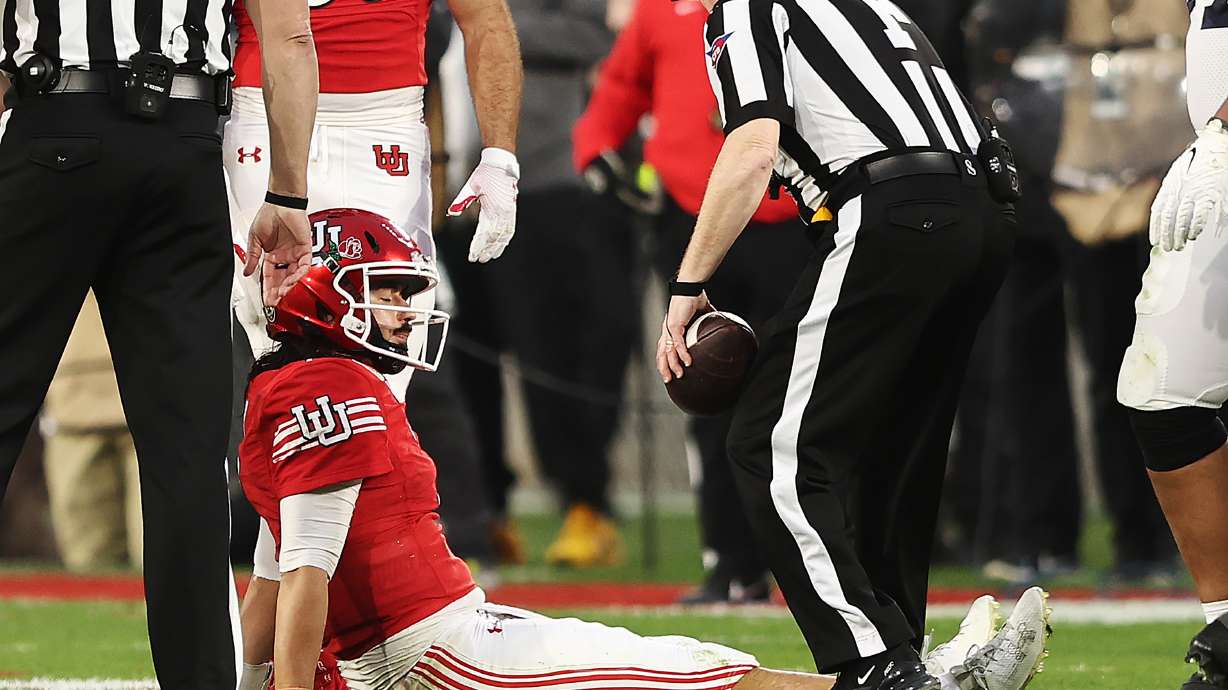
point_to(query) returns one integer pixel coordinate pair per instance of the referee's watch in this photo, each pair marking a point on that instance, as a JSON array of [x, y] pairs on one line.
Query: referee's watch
[[678, 288]]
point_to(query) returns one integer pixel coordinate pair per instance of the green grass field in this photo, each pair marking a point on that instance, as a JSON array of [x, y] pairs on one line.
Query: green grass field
[[107, 640]]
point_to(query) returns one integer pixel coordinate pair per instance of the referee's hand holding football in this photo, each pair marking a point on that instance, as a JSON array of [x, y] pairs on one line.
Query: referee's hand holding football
[[672, 355], [738, 182]]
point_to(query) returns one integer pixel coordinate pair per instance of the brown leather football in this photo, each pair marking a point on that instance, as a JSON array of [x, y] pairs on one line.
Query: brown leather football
[[722, 347]]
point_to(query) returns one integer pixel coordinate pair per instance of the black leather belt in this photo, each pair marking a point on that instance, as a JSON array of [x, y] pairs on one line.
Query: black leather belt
[[185, 87], [885, 166], [919, 163]]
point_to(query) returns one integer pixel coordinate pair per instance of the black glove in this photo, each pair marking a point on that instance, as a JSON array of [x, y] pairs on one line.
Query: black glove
[[608, 176]]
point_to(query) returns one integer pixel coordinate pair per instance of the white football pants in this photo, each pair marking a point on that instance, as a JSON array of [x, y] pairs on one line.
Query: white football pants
[[473, 645], [1179, 354]]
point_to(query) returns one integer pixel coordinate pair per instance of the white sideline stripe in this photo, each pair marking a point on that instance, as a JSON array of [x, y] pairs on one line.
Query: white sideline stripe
[[1079, 611], [808, 353]]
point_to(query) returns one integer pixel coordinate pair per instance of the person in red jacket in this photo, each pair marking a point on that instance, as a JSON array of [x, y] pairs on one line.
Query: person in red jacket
[[657, 68]]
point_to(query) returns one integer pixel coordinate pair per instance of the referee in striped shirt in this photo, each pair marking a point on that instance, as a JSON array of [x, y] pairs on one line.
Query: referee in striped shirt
[[111, 180], [839, 440]]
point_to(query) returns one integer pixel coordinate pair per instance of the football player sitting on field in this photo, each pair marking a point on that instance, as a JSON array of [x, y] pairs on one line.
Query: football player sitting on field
[[331, 464]]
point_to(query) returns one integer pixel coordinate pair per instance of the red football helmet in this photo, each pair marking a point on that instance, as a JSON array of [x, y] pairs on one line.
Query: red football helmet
[[352, 252]]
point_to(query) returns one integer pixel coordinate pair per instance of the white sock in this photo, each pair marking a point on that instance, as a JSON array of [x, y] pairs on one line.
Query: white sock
[[1214, 609], [948, 681]]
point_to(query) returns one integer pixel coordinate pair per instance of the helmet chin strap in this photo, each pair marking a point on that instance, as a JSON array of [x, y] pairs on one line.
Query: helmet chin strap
[[383, 364]]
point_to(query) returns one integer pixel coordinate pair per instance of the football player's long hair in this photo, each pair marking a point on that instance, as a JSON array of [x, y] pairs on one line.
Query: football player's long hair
[[291, 349]]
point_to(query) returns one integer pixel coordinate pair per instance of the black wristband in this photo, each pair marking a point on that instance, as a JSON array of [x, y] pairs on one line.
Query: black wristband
[[678, 288], [294, 202]]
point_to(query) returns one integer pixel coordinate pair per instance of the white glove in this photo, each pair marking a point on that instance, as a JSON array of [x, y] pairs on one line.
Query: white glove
[[493, 185], [1194, 194]]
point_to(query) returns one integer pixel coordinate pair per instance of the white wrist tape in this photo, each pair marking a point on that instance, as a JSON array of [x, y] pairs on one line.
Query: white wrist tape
[[265, 558], [256, 676], [314, 527]]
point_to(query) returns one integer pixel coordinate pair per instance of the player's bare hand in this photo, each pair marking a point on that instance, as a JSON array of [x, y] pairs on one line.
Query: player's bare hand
[[493, 185], [283, 237], [1194, 194], [672, 355]]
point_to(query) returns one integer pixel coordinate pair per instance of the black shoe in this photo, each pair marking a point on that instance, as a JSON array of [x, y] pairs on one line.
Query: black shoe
[[909, 677], [1196, 682], [1209, 649], [895, 676]]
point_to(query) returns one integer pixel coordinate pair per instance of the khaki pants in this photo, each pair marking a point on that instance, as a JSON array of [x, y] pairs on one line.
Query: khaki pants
[[94, 487]]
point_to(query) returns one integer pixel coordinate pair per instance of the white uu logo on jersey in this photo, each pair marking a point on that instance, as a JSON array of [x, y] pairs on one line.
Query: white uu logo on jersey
[[328, 425]]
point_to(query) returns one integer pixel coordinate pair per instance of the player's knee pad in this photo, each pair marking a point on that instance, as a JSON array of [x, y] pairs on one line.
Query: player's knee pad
[[1176, 438]]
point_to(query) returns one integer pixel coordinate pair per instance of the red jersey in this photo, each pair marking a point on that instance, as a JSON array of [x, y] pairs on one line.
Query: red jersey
[[325, 421], [362, 45], [657, 65]]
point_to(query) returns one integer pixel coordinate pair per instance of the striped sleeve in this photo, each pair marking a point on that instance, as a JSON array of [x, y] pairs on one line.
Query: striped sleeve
[[327, 427], [745, 42]]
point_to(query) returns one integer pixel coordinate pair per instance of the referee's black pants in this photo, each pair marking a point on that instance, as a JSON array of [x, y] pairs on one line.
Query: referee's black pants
[[840, 439], [92, 198]]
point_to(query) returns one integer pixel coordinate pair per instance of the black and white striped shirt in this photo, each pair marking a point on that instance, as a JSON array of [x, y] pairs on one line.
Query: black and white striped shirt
[[96, 34], [845, 78]]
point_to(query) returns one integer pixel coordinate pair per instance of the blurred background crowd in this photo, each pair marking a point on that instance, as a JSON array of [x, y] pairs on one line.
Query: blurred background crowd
[[544, 402]]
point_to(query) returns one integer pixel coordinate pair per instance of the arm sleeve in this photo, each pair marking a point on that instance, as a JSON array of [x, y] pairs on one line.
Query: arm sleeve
[[329, 428], [314, 526], [622, 95], [573, 35], [745, 42], [265, 559]]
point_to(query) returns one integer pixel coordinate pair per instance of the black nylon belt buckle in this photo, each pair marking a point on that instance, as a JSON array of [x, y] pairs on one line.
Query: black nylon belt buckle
[[149, 85]]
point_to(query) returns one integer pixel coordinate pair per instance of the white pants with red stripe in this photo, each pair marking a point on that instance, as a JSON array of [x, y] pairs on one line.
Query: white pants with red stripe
[[480, 646], [369, 151]]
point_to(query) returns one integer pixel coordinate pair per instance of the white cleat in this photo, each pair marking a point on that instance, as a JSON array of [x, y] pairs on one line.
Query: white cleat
[[1016, 654], [975, 632]]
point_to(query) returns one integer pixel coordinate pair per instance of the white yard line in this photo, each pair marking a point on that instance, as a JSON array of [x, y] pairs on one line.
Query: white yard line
[[1104, 611]]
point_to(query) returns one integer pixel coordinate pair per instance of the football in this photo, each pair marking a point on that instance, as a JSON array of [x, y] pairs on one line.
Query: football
[[722, 347]]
